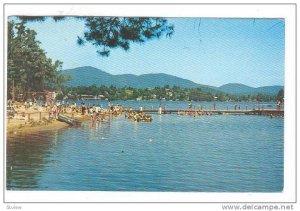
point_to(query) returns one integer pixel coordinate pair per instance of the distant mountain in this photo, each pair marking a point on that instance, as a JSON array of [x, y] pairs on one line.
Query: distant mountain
[[269, 89], [87, 76], [241, 89], [235, 88]]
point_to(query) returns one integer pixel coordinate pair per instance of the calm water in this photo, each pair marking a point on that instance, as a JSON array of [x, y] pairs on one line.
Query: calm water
[[173, 153]]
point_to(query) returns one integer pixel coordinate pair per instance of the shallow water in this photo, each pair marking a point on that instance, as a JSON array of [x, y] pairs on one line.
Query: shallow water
[[236, 153]]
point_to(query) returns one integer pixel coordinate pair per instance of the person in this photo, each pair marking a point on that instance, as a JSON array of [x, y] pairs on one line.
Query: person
[[160, 109], [25, 104], [54, 111], [91, 110], [278, 105], [92, 114], [97, 109], [82, 109]]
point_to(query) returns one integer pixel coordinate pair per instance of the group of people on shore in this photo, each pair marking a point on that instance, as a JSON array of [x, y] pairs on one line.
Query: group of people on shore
[[97, 112]]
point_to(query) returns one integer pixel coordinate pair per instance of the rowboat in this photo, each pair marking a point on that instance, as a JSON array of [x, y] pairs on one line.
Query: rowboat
[[68, 120]]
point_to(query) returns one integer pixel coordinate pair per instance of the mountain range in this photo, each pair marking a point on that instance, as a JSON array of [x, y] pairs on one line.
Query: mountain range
[[87, 76]]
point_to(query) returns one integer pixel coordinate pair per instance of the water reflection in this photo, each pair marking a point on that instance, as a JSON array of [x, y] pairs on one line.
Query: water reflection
[[27, 157], [98, 130], [173, 153]]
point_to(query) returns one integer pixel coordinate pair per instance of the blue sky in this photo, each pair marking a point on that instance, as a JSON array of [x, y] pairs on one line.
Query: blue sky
[[209, 51]]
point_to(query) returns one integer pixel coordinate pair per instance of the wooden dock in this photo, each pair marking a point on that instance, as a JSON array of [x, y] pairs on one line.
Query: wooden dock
[[267, 112]]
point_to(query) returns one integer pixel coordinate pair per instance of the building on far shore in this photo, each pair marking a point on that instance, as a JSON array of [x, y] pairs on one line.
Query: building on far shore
[[92, 97]]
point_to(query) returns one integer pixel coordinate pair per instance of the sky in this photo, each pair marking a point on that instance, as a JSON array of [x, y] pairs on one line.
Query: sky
[[210, 51]]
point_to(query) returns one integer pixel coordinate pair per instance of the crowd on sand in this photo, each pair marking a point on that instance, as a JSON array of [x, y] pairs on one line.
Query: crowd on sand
[[94, 112]]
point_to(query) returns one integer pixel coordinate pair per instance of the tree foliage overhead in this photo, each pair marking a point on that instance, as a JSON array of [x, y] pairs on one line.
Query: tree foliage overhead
[[107, 33]]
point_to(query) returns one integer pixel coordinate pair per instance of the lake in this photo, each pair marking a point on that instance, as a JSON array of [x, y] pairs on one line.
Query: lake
[[219, 153]]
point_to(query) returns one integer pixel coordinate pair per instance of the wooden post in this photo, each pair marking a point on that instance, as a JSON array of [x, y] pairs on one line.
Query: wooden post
[[40, 116], [13, 91], [28, 117]]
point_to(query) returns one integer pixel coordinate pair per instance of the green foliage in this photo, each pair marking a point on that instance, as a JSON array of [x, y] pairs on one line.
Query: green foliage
[[174, 93], [28, 66], [280, 95], [107, 33]]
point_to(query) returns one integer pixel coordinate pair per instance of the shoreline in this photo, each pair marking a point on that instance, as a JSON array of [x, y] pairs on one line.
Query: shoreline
[[13, 129], [21, 126], [37, 118]]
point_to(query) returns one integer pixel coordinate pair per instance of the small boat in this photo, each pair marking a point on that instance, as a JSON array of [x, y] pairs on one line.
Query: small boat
[[68, 120]]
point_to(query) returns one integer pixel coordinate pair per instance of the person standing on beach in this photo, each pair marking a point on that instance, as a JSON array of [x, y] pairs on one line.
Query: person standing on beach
[[82, 109], [25, 105], [54, 111]]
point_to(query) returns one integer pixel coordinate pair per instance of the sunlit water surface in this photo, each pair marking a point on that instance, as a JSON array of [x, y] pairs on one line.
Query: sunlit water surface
[[222, 153]]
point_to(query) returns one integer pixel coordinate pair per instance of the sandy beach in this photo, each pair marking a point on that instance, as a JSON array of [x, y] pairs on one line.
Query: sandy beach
[[17, 127], [36, 119]]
